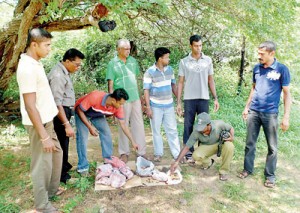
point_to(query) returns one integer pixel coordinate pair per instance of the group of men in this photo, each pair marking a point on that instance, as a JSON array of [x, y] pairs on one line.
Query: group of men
[[48, 103]]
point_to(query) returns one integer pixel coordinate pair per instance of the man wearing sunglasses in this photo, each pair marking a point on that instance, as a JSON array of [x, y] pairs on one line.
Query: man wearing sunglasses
[[64, 96]]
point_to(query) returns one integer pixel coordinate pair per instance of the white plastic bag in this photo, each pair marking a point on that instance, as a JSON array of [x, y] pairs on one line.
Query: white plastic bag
[[144, 167]]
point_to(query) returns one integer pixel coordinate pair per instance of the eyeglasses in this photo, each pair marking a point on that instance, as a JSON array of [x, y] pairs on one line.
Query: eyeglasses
[[76, 64]]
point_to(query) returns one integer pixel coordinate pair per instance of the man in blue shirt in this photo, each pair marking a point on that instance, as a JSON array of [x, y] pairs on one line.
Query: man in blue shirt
[[269, 78]]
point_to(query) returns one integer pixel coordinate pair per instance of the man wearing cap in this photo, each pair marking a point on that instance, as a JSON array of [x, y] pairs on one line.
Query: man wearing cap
[[207, 133]]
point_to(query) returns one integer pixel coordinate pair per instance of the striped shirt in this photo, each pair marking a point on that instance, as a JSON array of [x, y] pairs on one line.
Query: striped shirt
[[159, 83]]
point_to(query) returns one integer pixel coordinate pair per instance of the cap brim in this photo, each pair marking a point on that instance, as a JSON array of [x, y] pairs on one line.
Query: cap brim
[[200, 127]]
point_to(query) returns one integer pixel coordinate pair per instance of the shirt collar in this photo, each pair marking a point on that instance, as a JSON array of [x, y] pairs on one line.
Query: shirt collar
[[273, 66], [32, 60], [156, 68], [63, 68], [193, 59], [103, 103]]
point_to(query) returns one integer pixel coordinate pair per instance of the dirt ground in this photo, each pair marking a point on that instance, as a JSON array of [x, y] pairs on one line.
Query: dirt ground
[[200, 190]]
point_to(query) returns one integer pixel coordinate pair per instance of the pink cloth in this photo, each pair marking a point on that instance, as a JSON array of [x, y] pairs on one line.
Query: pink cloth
[[115, 162]]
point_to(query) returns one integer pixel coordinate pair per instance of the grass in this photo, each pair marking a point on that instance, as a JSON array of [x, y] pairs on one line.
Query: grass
[[199, 190]]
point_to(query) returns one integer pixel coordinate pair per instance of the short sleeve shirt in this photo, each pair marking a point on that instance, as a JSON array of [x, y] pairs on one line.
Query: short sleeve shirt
[[159, 83], [196, 74], [124, 76], [61, 85], [31, 78], [217, 127], [268, 86], [93, 105]]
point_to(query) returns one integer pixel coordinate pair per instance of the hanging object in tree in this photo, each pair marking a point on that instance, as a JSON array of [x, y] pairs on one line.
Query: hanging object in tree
[[107, 25]]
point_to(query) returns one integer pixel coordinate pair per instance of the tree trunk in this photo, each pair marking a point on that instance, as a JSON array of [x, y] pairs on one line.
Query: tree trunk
[[13, 38]]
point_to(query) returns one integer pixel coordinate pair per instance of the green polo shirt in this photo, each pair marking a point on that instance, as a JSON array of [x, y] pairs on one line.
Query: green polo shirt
[[217, 126], [124, 76]]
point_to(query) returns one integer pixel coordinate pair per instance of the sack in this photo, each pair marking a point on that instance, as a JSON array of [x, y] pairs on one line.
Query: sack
[[107, 25], [144, 167]]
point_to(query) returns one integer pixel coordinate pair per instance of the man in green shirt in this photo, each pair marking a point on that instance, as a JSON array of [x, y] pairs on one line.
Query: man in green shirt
[[207, 133], [122, 72]]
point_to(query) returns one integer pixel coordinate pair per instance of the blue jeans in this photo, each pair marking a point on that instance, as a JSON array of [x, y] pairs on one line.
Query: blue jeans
[[82, 134], [191, 109], [165, 116], [269, 122]]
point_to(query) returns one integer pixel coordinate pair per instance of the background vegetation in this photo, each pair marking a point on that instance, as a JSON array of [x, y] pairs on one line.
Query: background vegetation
[[223, 24]]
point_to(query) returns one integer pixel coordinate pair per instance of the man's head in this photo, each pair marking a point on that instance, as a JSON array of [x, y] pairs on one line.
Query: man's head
[[38, 42], [196, 44], [72, 59], [162, 55], [266, 52], [123, 48], [119, 96], [203, 120]]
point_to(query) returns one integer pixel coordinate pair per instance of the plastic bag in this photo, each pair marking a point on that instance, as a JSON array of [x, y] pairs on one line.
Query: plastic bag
[[144, 167], [160, 176], [117, 179], [115, 162], [127, 172], [103, 171]]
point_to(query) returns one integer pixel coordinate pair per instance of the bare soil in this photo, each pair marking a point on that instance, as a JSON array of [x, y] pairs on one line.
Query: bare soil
[[200, 190]]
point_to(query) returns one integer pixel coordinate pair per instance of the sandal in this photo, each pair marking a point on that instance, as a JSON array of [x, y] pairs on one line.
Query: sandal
[[244, 174], [223, 177], [60, 191], [269, 184]]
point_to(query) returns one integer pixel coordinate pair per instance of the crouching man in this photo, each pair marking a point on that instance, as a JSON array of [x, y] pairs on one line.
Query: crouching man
[[207, 133], [90, 116]]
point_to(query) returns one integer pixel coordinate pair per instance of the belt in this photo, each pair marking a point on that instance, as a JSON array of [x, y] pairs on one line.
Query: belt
[[69, 107]]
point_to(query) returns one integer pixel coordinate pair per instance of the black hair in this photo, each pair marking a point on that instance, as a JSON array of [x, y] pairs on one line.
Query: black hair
[[119, 94], [269, 45], [37, 35], [159, 52], [72, 53], [195, 38]]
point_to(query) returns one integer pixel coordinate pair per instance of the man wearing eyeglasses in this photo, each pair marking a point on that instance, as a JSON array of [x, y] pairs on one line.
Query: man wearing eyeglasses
[[64, 96], [122, 72]]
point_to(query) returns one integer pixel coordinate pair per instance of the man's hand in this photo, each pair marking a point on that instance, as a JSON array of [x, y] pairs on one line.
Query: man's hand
[[173, 167], [149, 112], [284, 124], [245, 113], [217, 105], [69, 131], [93, 131], [179, 110], [135, 146], [48, 145]]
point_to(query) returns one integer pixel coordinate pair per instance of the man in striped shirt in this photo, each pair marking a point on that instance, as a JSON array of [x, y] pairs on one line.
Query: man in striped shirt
[[159, 83]]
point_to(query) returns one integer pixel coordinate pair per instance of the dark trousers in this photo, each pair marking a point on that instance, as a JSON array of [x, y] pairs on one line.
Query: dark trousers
[[64, 143], [269, 122], [191, 109]]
